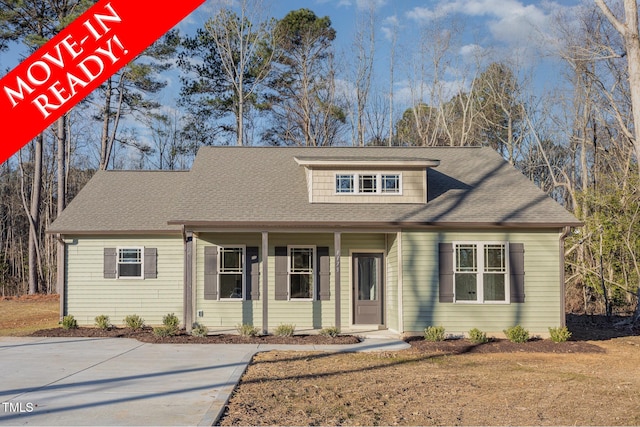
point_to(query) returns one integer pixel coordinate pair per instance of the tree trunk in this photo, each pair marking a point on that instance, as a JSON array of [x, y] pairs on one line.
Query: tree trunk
[[104, 140], [34, 217]]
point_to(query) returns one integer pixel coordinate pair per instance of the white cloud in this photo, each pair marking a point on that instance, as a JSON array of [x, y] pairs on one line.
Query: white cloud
[[508, 21], [470, 52], [389, 24]]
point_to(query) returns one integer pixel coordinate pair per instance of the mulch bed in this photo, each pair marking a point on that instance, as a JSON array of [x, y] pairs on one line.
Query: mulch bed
[[146, 335], [463, 346], [583, 328]]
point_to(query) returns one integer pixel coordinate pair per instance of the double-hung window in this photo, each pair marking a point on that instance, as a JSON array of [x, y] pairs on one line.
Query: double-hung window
[[130, 262], [301, 268], [480, 272], [368, 183], [231, 272]]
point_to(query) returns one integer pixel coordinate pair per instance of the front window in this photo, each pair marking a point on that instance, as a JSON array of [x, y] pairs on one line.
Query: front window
[[480, 272], [301, 272], [231, 272], [130, 262]]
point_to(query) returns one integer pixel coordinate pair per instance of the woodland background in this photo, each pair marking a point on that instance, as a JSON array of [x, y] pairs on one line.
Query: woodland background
[[248, 79]]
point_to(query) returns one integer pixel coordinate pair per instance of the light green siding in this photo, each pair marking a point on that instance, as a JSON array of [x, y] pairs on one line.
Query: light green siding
[[88, 294], [542, 306], [304, 314], [392, 282], [225, 314]]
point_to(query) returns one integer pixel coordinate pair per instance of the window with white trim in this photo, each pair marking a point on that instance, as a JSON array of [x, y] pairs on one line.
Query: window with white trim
[[390, 183], [480, 272], [301, 268], [130, 262], [368, 183], [231, 272]]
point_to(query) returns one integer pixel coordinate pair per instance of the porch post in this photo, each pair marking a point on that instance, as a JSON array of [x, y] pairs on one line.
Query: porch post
[[188, 280], [265, 282], [337, 244]]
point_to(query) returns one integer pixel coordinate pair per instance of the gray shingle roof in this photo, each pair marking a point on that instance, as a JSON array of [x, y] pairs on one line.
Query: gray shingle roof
[[122, 201], [265, 187]]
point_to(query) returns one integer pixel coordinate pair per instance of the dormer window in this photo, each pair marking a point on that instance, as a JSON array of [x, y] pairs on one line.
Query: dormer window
[[368, 183], [390, 183], [362, 179], [344, 184]]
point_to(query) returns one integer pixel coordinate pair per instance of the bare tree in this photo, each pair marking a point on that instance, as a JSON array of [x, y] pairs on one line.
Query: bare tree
[[364, 46], [628, 30], [245, 46]]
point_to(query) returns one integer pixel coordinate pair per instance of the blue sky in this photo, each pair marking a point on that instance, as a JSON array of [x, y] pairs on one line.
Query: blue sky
[[519, 32], [516, 31]]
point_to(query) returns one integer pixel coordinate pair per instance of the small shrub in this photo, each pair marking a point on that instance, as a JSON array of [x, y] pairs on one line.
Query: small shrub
[[134, 322], [199, 330], [171, 321], [165, 331], [285, 330], [69, 322], [103, 321], [559, 334], [246, 330], [434, 333], [331, 331], [517, 334], [477, 336]]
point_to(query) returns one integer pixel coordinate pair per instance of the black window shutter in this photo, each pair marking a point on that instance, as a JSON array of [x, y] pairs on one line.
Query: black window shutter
[[324, 273], [252, 278], [446, 272], [516, 269], [110, 263], [150, 263], [282, 291], [211, 272]]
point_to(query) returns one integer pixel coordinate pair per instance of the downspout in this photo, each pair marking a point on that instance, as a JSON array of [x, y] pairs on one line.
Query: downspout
[[563, 236]]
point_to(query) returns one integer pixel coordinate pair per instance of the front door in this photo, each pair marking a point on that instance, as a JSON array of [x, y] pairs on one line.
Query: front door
[[367, 288]]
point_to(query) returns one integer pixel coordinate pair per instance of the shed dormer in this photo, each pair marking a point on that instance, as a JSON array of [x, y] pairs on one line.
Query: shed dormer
[[366, 180]]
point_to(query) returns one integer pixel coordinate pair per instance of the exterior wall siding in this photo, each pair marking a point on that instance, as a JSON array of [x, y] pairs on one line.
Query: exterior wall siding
[[88, 294], [392, 282], [303, 314], [541, 309], [324, 188], [225, 314]]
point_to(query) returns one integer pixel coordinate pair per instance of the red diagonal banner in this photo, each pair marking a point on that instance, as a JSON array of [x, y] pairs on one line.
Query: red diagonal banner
[[77, 60]]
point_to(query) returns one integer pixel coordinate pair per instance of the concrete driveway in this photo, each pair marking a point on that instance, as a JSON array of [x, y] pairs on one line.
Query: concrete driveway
[[116, 381]]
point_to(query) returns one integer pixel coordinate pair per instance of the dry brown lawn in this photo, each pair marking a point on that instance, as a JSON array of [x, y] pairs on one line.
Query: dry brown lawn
[[418, 388], [26, 314]]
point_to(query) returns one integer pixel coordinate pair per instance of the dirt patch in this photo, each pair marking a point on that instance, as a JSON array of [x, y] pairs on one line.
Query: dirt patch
[[146, 335]]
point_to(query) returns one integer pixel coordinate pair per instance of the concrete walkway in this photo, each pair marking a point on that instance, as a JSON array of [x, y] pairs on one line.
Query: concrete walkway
[[116, 381]]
